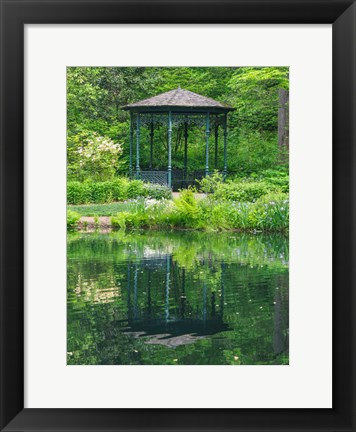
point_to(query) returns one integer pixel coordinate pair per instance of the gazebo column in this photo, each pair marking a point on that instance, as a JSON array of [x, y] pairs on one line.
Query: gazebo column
[[170, 149], [151, 143], [207, 134], [185, 150], [216, 145], [138, 124], [225, 145], [131, 143]]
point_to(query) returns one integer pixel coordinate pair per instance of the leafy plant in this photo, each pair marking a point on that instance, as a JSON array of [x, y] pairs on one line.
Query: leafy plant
[[187, 207], [136, 188], [72, 220], [157, 191]]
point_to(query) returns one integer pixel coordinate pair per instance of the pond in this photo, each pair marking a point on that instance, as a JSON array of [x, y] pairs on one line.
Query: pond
[[177, 298]]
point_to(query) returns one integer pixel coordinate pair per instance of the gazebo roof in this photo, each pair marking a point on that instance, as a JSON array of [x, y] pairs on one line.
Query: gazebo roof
[[178, 99]]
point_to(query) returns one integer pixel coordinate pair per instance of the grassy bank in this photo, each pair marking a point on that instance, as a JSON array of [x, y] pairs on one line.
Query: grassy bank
[[186, 212], [260, 204]]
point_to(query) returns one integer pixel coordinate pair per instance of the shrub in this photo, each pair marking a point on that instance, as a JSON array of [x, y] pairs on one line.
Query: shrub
[[244, 191], [101, 192], [136, 188], [277, 178], [129, 220], [78, 193], [91, 156], [119, 189], [211, 183], [187, 207], [157, 191], [120, 220], [72, 220]]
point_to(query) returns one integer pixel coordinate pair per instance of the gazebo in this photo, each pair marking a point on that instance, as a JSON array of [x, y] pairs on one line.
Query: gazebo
[[180, 108]]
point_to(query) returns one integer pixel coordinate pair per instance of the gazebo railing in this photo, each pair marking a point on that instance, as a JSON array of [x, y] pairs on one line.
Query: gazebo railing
[[180, 179], [157, 177]]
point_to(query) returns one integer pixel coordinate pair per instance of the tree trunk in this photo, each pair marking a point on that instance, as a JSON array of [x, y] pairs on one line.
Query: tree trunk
[[283, 121]]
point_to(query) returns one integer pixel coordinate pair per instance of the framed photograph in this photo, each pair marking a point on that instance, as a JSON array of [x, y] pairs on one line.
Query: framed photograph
[[177, 215]]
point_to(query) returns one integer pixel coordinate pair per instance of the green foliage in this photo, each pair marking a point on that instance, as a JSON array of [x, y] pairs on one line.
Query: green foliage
[[187, 208], [95, 96], [136, 188], [72, 219], [254, 92], [255, 204], [252, 150], [118, 189], [277, 178], [246, 189], [129, 220], [157, 191], [243, 191], [204, 214], [78, 193], [211, 183]]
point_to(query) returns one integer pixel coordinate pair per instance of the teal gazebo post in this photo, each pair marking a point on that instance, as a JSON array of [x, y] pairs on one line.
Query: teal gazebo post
[[185, 149], [131, 143], [207, 135], [138, 124], [151, 141], [225, 145], [216, 144]]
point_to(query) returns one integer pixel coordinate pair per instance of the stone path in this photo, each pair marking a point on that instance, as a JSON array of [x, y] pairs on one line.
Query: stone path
[[87, 223]]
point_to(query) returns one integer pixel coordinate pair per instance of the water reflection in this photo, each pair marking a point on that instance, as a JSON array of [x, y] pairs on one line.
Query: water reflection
[[177, 298], [173, 325]]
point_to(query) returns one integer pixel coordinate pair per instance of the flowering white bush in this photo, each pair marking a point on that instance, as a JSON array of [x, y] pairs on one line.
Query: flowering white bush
[[92, 156]]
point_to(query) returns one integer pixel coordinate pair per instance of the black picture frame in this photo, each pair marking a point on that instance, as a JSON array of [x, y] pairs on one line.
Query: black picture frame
[[14, 15]]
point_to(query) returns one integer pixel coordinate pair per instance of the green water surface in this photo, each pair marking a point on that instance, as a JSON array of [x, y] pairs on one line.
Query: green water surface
[[177, 298]]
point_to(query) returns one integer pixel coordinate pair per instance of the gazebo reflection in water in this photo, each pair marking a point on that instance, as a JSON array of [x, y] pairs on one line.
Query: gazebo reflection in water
[[172, 319]]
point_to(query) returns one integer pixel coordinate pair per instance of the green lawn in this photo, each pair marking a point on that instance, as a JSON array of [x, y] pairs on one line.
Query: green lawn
[[110, 209]]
